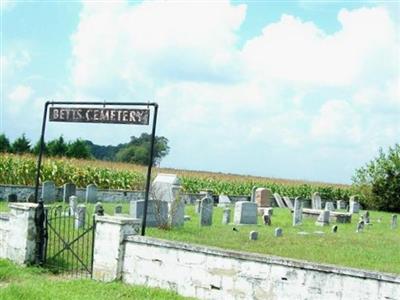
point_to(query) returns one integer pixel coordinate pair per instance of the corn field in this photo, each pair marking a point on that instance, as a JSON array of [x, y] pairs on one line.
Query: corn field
[[21, 170]]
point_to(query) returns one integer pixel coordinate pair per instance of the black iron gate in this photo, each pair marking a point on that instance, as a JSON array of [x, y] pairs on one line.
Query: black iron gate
[[69, 240]]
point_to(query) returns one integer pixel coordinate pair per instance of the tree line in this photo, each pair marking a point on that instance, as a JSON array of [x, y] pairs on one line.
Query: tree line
[[135, 151]]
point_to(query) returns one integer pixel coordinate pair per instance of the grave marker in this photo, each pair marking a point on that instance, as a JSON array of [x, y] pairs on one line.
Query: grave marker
[[316, 201], [278, 232], [118, 209], [226, 216], [393, 223], [73, 202], [288, 202], [245, 212], [157, 212], [48, 191], [253, 236], [279, 200], [91, 193], [354, 206], [166, 187], [323, 218], [69, 190], [297, 212], [80, 216], [206, 211]]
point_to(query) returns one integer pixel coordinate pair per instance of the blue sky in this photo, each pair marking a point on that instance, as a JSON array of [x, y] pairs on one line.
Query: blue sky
[[290, 89]]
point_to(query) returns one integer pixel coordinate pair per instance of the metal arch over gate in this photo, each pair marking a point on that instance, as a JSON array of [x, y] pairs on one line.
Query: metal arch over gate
[[57, 224]]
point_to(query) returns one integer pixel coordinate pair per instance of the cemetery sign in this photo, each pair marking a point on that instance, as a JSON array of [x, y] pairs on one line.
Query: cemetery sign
[[99, 115]]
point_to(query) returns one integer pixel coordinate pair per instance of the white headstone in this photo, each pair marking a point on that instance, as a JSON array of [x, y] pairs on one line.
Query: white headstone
[[80, 216], [226, 216], [223, 200], [279, 200], [323, 218], [340, 204], [297, 212], [245, 212], [316, 201], [329, 206], [354, 206], [166, 187], [73, 202], [288, 202]]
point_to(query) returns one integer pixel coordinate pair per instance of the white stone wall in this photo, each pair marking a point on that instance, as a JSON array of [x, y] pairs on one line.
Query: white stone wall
[[4, 220], [210, 273]]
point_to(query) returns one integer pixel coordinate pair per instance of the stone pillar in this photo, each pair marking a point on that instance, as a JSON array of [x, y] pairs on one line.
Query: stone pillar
[[21, 246], [109, 245]]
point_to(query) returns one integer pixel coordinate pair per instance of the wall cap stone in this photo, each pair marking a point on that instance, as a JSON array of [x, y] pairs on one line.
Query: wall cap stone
[[268, 259], [22, 205], [5, 216], [118, 220]]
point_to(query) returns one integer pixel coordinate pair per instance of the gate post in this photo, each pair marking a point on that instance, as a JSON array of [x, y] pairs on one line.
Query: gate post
[[109, 246], [22, 235]]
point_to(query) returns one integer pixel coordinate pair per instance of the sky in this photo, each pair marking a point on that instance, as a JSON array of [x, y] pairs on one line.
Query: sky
[[289, 89]]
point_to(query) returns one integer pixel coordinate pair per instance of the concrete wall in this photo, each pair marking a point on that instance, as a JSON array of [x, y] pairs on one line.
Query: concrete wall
[[4, 221], [210, 273], [23, 192]]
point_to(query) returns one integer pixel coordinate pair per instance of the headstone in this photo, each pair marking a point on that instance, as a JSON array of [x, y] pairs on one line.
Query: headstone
[[245, 212], [340, 204], [288, 202], [166, 187], [197, 206], [223, 200], [48, 192], [157, 212], [187, 218], [263, 197], [267, 219], [68, 191], [30, 198], [334, 228], [393, 223], [297, 212], [98, 209], [253, 236], [329, 206], [73, 202], [206, 211], [12, 198], [91, 193], [366, 217], [360, 226], [253, 194], [226, 216], [80, 216], [118, 209], [176, 212], [354, 206], [316, 201], [323, 218], [278, 232], [279, 200]]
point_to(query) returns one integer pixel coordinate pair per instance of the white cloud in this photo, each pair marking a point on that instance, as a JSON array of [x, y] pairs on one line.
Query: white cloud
[[299, 52], [337, 123], [185, 57], [21, 93]]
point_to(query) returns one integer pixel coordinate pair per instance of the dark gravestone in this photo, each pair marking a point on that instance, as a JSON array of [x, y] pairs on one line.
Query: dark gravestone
[[12, 198]]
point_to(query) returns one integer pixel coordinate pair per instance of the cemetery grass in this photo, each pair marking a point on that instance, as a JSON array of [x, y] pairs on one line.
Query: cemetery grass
[[376, 248], [31, 283]]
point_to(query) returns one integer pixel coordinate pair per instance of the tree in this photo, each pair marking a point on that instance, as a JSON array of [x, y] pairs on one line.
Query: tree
[[36, 148], [378, 182], [21, 145], [4, 143], [57, 147], [137, 150], [78, 149]]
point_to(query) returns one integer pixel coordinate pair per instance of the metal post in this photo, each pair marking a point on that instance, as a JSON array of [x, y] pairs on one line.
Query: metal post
[[146, 199], [41, 148]]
